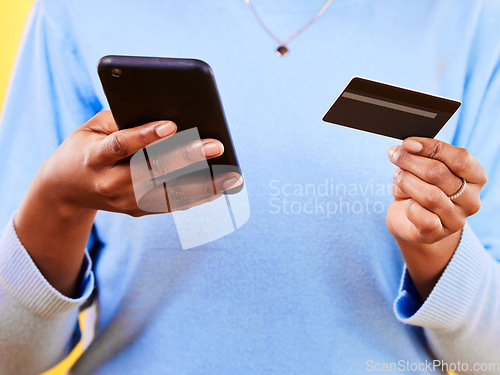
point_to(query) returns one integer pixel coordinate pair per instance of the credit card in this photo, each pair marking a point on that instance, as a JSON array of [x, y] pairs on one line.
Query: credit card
[[389, 110]]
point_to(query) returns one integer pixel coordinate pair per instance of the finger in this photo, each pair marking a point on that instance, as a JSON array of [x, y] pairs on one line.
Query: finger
[[431, 198], [186, 192], [179, 191], [187, 204], [194, 195], [432, 171], [200, 187], [155, 201], [168, 156], [458, 160], [123, 143], [227, 181], [397, 193], [437, 173], [427, 226]]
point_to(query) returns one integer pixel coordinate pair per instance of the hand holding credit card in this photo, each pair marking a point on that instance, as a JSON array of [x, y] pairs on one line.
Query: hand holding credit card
[[389, 110]]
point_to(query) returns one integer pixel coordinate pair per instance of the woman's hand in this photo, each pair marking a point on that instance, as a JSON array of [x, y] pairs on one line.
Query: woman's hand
[[90, 171], [425, 219]]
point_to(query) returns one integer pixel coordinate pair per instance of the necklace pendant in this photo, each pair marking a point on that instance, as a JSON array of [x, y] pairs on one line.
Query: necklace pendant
[[282, 50]]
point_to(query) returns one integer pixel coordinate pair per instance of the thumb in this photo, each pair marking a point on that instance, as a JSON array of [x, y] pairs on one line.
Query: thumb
[[123, 143]]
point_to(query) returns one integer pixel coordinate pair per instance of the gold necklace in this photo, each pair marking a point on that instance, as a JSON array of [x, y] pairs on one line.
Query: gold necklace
[[282, 50]]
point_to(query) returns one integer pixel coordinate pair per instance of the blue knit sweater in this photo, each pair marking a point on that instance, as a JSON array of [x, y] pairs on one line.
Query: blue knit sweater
[[313, 283]]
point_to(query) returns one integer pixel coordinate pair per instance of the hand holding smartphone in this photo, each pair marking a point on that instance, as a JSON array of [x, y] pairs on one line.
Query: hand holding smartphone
[[146, 89]]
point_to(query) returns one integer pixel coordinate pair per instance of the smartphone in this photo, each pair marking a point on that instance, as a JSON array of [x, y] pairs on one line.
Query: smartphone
[[146, 89]]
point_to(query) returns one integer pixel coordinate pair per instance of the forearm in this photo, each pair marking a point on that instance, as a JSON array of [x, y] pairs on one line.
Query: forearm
[[426, 262], [55, 234]]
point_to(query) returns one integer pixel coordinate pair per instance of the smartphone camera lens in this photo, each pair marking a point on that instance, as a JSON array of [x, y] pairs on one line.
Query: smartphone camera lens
[[115, 72]]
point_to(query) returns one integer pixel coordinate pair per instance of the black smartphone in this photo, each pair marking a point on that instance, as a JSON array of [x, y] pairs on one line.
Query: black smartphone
[[146, 89]]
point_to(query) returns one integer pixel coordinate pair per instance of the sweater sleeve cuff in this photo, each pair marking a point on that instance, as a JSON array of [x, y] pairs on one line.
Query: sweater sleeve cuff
[[20, 277], [454, 292]]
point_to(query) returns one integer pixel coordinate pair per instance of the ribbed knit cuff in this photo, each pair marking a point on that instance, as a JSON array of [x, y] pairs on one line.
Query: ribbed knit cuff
[[454, 292], [20, 278]]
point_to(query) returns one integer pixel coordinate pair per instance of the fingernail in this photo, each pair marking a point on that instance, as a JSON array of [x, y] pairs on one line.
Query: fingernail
[[396, 172], [413, 146], [231, 183], [211, 149], [165, 128], [408, 202], [390, 151]]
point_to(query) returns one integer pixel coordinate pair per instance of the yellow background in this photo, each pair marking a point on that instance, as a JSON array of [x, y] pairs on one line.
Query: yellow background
[[13, 14]]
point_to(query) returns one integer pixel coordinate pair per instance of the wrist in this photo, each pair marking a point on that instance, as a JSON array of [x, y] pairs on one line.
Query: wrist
[[426, 262], [55, 232], [58, 197]]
